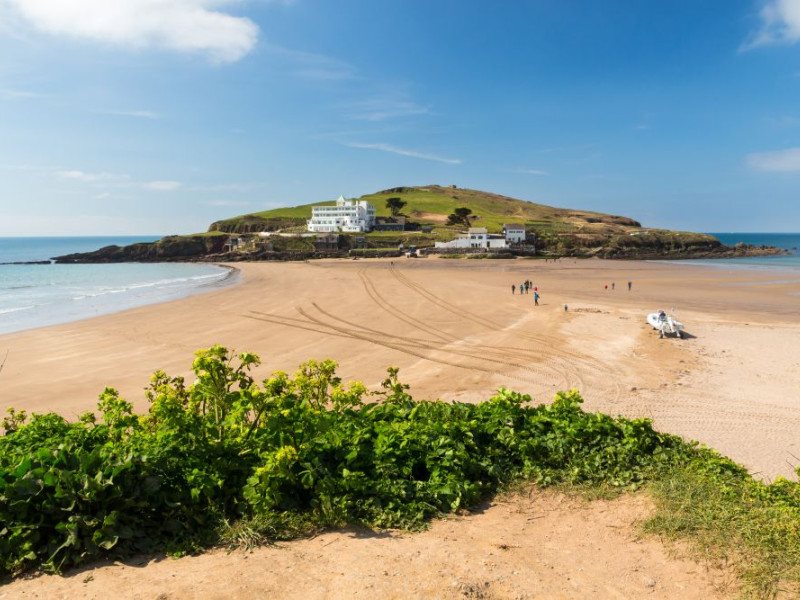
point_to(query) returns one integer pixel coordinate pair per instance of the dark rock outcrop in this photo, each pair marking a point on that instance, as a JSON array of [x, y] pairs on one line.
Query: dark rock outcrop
[[171, 248]]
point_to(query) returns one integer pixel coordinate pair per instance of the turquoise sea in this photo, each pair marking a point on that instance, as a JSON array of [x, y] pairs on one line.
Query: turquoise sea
[[788, 241], [38, 295], [789, 262]]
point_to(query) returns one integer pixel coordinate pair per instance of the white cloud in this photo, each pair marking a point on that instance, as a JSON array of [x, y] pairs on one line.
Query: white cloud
[[381, 109], [533, 171], [25, 167], [780, 161], [91, 177], [402, 152], [180, 25], [784, 122], [141, 114], [162, 186], [19, 95], [226, 203], [113, 180], [780, 24], [315, 67], [227, 187]]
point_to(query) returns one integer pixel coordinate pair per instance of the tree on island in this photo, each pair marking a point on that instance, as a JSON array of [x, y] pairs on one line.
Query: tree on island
[[395, 205], [461, 216]]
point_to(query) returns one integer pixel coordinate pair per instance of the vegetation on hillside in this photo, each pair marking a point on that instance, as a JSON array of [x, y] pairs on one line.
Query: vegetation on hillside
[[227, 460], [461, 216], [445, 212], [431, 205], [395, 205]]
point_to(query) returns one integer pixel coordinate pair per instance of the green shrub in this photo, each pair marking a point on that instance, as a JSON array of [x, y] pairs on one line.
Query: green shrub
[[228, 459], [293, 450]]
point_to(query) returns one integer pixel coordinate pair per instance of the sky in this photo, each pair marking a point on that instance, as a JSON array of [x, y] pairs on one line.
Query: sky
[[162, 116]]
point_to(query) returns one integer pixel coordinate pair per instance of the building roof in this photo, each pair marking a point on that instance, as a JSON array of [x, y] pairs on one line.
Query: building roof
[[478, 230], [513, 226]]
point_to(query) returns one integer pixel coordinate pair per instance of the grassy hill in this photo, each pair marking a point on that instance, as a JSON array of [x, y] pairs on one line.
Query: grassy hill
[[430, 205], [551, 232]]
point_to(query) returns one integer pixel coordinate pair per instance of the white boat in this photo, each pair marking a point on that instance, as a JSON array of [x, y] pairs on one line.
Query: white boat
[[665, 323]]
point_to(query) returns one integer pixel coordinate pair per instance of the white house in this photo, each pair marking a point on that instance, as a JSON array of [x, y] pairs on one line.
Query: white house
[[514, 233], [477, 237], [346, 215]]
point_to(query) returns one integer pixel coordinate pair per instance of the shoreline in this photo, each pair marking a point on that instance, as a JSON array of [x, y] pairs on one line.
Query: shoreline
[[231, 277], [234, 276], [456, 333]]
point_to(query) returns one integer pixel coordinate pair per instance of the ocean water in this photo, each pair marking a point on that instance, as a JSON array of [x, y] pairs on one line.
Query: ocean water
[[787, 241], [38, 295]]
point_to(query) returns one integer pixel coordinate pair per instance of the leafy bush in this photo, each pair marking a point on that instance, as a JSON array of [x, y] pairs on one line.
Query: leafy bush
[[295, 452], [229, 459]]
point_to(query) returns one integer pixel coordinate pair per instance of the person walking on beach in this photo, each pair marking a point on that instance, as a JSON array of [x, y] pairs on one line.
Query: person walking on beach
[[536, 298], [612, 286], [513, 287], [606, 287], [630, 283]]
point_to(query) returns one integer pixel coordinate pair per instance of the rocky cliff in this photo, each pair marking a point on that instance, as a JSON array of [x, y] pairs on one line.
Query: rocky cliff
[[168, 249]]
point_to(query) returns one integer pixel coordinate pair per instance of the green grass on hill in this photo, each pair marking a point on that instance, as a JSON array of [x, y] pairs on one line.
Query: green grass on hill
[[432, 204]]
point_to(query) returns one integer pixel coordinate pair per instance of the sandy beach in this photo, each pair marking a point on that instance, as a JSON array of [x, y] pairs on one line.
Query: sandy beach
[[457, 333]]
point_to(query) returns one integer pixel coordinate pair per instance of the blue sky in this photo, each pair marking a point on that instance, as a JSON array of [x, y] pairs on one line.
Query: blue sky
[[161, 116]]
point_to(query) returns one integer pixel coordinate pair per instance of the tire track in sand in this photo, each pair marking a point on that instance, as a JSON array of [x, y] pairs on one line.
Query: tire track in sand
[[565, 361]]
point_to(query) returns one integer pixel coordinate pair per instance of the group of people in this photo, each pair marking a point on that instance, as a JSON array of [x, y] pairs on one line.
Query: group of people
[[525, 288], [614, 285]]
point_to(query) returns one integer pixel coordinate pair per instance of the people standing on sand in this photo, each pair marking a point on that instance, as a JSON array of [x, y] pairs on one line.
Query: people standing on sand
[[513, 288], [566, 308], [536, 298], [606, 287], [630, 283], [612, 286]]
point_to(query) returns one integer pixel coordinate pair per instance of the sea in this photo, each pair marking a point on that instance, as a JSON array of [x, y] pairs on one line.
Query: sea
[[788, 241], [36, 295]]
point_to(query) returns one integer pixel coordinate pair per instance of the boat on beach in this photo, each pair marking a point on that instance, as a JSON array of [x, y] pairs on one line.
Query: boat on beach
[[665, 323]]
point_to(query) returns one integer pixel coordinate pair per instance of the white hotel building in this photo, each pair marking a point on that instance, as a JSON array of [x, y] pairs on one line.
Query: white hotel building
[[347, 215]]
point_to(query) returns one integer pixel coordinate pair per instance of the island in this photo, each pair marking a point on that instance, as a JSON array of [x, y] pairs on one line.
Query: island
[[414, 221]]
